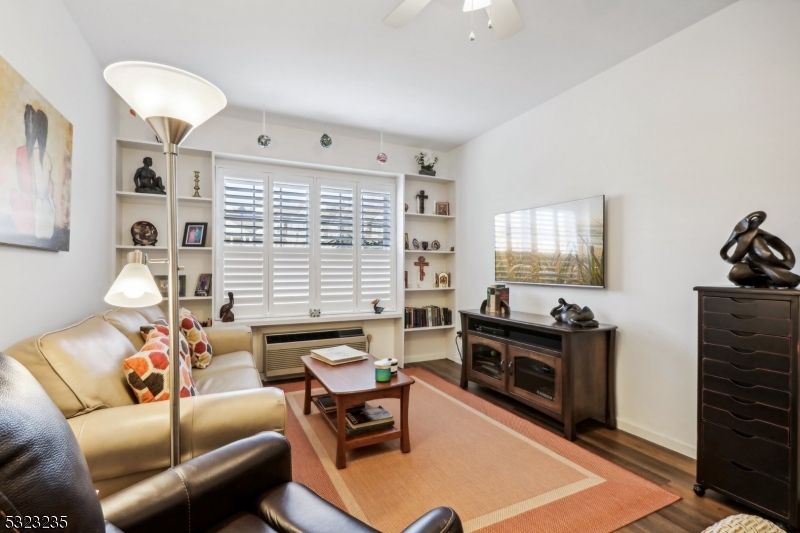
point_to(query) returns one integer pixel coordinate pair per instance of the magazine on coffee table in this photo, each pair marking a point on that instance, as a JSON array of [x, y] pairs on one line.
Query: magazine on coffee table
[[338, 355]]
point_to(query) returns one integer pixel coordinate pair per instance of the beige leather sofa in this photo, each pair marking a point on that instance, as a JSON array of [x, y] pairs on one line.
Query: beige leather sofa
[[124, 442]]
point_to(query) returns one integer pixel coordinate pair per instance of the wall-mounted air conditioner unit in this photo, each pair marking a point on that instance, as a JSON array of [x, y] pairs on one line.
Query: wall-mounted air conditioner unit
[[282, 351]]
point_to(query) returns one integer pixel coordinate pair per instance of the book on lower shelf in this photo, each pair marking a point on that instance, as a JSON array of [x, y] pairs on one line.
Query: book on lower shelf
[[326, 404], [338, 355], [427, 317], [368, 419]]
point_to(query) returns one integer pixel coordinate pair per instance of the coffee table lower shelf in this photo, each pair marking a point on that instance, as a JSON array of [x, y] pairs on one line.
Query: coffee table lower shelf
[[358, 440]]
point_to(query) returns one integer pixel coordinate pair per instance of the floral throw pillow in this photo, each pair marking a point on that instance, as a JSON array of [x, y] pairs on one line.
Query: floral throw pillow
[[199, 347], [148, 371]]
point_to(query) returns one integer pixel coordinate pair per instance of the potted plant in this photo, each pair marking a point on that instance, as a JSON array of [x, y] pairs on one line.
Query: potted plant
[[426, 162]]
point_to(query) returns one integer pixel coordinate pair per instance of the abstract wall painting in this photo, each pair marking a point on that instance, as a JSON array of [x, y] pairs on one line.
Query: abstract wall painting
[[35, 166]]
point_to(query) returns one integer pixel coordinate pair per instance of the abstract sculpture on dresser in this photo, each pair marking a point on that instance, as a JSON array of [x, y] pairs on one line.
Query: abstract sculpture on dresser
[[574, 315], [754, 258]]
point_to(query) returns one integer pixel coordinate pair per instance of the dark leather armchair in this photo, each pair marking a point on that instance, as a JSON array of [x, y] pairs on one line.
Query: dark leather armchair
[[243, 487]]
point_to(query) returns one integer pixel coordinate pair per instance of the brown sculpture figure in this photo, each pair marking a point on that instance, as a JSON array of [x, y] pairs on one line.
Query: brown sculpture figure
[[225, 313], [146, 180], [759, 259], [573, 315]]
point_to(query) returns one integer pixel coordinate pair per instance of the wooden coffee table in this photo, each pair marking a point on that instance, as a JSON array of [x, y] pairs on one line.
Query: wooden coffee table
[[351, 384]]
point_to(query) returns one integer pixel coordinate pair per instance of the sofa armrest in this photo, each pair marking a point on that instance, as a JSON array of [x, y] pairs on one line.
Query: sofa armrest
[[439, 520], [204, 491], [132, 439], [230, 337]]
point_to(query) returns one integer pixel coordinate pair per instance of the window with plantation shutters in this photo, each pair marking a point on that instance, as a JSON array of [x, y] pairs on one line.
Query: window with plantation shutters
[[376, 271], [295, 242], [242, 258], [337, 254]]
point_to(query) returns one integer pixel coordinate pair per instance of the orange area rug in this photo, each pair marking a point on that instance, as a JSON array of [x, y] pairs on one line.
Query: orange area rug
[[500, 472]]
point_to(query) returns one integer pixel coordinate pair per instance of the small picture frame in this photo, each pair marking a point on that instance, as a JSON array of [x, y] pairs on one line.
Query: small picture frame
[[162, 282], [203, 285], [444, 279], [443, 208], [194, 234], [407, 248]]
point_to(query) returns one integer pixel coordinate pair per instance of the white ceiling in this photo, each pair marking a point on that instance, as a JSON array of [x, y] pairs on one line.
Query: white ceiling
[[334, 61]]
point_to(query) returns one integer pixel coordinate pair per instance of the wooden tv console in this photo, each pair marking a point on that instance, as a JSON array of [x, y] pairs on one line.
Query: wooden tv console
[[563, 371]]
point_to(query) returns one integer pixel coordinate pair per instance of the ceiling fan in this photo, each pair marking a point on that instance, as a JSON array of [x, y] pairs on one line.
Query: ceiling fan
[[503, 15]]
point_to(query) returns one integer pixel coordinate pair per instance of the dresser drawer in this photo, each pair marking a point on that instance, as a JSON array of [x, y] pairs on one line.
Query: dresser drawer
[[747, 425], [765, 343], [747, 408], [752, 376], [745, 391], [750, 324], [754, 487], [744, 357], [749, 307], [748, 450]]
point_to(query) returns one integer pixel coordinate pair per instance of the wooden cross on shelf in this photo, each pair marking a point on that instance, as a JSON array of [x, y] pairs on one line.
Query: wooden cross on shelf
[[421, 263]]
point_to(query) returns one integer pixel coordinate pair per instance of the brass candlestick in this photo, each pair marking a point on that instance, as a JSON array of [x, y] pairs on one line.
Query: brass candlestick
[[196, 184]]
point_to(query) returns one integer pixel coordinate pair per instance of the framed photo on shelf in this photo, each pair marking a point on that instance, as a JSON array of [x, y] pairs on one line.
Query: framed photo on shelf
[[194, 234], [443, 208], [203, 285], [163, 285]]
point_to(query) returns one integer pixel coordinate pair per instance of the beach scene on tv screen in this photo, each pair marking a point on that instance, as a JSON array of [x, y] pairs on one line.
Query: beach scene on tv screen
[[560, 244]]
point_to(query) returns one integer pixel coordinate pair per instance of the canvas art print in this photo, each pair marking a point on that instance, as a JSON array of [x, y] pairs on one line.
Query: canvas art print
[[558, 244], [35, 166]]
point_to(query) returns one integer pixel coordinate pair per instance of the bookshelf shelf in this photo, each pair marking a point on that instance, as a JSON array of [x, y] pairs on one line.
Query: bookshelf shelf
[[431, 289], [429, 218], [421, 251], [431, 328]]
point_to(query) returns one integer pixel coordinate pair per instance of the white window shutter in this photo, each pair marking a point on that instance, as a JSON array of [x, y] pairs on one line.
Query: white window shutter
[[377, 272], [337, 259], [290, 275], [243, 243]]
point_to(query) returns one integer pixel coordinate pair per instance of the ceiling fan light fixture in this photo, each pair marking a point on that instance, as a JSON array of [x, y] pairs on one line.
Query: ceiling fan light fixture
[[474, 5]]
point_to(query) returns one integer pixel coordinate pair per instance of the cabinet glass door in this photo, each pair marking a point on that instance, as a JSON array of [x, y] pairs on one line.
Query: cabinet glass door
[[535, 376], [487, 360]]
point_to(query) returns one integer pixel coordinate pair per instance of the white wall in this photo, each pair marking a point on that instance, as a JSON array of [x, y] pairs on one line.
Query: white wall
[[235, 135], [44, 290], [684, 140]]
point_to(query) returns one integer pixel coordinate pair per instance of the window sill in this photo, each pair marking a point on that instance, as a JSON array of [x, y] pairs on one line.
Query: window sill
[[287, 320]]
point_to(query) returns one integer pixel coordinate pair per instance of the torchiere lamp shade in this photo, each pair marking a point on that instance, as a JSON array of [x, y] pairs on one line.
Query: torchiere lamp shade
[[154, 90], [134, 287]]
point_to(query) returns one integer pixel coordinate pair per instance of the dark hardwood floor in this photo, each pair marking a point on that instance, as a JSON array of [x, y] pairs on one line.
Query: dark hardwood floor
[[671, 470]]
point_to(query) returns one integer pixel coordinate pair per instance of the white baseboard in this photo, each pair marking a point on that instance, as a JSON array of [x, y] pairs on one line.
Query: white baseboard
[[423, 357], [689, 450]]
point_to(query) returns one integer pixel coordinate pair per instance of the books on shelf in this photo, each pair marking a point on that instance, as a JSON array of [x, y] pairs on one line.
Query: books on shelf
[[368, 419], [427, 317], [326, 404], [495, 296], [338, 355]]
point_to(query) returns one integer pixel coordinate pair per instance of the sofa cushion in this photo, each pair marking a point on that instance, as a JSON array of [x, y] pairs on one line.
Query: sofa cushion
[[151, 313], [80, 366], [148, 372], [228, 361], [199, 347], [233, 379], [128, 321]]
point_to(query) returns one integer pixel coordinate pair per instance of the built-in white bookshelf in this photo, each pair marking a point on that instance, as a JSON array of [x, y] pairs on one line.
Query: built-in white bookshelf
[[424, 344], [131, 207]]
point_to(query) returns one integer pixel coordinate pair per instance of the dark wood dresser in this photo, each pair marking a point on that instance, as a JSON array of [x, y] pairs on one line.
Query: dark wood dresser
[[747, 397], [562, 371]]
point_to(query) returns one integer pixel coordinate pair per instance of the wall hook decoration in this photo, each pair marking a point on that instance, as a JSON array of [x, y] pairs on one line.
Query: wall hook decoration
[[382, 159], [263, 139], [325, 141]]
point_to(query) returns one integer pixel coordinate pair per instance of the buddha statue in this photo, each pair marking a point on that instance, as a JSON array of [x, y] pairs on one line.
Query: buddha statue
[[146, 180]]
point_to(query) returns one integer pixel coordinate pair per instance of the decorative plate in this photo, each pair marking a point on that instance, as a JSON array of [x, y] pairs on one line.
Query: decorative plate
[[144, 233], [435, 245], [415, 244]]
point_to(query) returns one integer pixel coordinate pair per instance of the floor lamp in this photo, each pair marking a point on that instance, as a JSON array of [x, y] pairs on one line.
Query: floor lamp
[[173, 102]]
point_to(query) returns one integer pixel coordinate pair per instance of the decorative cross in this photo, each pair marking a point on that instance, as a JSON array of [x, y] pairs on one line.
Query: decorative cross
[[421, 263], [421, 197]]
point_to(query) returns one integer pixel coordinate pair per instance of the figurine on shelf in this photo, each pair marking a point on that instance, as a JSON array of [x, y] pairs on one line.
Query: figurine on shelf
[[378, 310], [573, 315], [225, 313], [146, 180], [755, 264], [421, 197]]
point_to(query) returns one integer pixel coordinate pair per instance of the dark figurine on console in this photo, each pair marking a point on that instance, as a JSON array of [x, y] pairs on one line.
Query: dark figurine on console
[[225, 312], [573, 315], [146, 180], [759, 259]]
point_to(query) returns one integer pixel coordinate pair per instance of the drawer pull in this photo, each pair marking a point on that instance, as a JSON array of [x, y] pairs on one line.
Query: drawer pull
[[741, 467], [743, 368], [741, 350], [742, 400], [742, 384], [742, 317], [741, 417], [742, 333], [742, 434]]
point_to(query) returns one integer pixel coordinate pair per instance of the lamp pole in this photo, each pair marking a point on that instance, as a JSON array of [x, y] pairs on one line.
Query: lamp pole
[[171, 132]]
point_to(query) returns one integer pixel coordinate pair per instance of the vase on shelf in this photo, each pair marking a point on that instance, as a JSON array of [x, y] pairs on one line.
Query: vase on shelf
[[427, 172]]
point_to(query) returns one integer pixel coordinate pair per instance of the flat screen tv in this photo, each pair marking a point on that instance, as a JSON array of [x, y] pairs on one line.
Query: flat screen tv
[[560, 244]]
